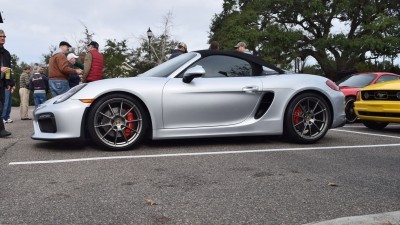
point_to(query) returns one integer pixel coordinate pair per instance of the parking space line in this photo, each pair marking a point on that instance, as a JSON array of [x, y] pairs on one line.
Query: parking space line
[[200, 154], [363, 133]]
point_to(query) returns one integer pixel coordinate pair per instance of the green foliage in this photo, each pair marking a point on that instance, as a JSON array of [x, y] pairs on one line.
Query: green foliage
[[338, 33], [117, 56]]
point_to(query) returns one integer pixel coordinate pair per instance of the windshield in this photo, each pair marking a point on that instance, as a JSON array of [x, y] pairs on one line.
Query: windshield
[[166, 68], [357, 80]]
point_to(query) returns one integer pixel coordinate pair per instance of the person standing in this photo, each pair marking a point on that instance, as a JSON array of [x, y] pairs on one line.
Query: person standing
[[39, 84], [59, 70], [74, 79], [242, 47], [24, 93], [93, 64], [181, 49], [5, 68], [214, 45]]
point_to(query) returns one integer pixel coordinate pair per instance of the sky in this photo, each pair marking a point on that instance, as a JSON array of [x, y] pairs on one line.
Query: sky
[[32, 27]]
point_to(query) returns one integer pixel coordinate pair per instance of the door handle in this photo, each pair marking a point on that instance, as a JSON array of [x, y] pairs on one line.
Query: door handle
[[250, 89]]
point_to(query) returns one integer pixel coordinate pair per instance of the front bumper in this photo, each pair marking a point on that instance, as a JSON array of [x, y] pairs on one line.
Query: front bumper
[[382, 111], [59, 121]]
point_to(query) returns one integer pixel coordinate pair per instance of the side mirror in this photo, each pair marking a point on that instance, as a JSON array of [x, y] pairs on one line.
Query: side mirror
[[193, 72]]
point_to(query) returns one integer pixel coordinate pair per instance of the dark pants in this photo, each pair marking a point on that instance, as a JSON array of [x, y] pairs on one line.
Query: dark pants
[[2, 92]]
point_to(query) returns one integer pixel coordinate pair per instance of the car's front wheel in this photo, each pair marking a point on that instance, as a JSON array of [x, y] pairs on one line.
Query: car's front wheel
[[307, 118], [374, 124], [351, 116], [117, 122]]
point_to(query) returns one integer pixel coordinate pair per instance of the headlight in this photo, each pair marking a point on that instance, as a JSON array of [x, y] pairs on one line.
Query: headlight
[[69, 93]]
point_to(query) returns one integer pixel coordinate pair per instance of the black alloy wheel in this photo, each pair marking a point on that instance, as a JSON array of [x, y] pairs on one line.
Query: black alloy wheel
[[307, 118], [117, 122]]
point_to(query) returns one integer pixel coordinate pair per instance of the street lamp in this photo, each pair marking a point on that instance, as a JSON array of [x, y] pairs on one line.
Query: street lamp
[[149, 35]]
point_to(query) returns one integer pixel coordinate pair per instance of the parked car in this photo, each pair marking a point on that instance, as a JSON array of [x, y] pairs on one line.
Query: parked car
[[378, 105], [197, 94], [352, 83]]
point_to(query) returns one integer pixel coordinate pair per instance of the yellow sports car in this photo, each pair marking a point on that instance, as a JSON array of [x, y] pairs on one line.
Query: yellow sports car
[[378, 105]]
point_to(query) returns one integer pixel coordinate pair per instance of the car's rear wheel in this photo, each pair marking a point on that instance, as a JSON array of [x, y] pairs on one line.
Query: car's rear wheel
[[307, 118], [117, 122], [351, 116], [374, 124]]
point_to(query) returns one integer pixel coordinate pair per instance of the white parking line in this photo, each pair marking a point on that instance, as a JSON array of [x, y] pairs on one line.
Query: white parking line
[[198, 154], [363, 133]]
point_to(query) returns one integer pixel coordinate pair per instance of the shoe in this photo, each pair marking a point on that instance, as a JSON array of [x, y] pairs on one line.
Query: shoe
[[26, 119], [9, 120], [4, 121], [4, 133]]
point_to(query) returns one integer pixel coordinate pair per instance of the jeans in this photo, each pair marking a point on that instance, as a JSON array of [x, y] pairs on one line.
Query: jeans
[[7, 105], [58, 87], [39, 98]]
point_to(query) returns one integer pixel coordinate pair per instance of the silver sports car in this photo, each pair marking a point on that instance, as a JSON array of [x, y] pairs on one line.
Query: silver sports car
[[198, 94]]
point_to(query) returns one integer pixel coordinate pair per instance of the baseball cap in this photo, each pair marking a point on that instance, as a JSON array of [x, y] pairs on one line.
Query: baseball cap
[[182, 44], [240, 44], [72, 55], [94, 44], [64, 43]]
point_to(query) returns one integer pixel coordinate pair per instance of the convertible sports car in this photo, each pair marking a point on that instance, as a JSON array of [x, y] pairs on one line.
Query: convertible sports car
[[352, 83], [197, 94], [379, 104]]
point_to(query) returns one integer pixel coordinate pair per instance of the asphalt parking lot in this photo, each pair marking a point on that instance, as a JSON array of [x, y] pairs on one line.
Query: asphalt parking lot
[[242, 180]]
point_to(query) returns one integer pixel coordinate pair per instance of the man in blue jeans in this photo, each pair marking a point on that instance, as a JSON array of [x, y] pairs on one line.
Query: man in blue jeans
[[59, 70], [8, 102]]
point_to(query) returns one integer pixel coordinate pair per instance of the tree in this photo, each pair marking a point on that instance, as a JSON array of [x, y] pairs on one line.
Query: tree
[[117, 58], [338, 34], [160, 46]]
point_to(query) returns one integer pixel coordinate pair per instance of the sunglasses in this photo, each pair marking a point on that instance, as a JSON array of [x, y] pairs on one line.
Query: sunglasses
[[2, 36]]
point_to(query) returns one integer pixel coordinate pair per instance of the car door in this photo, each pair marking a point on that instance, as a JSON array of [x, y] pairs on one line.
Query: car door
[[226, 94]]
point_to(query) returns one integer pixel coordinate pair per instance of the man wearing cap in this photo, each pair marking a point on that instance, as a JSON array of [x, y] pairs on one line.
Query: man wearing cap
[[59, 70], [5, 67], [74, 79], [181, 48], [93, 64], [242, 47]]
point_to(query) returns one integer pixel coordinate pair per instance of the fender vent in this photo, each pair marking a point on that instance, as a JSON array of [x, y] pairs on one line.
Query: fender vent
[[266, 102]]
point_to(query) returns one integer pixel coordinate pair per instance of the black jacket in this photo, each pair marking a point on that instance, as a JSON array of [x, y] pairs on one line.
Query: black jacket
[[5, 60]]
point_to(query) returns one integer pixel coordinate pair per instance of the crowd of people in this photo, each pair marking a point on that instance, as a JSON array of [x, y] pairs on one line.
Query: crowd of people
[[64, 72]]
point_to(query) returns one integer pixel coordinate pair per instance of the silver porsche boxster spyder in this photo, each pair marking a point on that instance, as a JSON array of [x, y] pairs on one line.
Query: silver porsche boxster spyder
[[197, 94]]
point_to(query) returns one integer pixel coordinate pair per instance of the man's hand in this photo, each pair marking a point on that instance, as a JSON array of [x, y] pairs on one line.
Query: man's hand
[[5, 69], [78, 71]]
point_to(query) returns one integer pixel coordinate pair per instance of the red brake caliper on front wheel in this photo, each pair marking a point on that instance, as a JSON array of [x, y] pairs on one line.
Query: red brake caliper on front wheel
[[296, 115], [129, 117]]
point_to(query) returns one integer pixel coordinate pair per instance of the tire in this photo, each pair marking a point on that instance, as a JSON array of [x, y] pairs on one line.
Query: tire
[[374, 124], [117, 122], [307, 118], [351, 116]]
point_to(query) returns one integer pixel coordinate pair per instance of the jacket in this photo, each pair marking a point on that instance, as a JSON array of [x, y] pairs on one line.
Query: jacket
[[5, 61], [39, 83], [93, 66], [58, 67]]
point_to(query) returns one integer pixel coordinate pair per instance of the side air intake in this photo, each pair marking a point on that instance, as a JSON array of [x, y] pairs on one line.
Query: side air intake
[[266, 102]]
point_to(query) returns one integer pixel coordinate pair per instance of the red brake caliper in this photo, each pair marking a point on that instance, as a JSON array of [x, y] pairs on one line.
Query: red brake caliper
[[130, 117], [296, 115]]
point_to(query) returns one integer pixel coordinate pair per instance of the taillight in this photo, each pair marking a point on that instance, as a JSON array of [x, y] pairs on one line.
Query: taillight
[[332, 85]]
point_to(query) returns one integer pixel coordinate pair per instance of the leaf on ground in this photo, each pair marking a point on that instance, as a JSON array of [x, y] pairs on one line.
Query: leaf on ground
[[151, 202], [332, 184]]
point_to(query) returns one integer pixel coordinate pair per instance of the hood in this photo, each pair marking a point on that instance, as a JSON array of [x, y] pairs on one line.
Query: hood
[[58, 51], [389, 85]]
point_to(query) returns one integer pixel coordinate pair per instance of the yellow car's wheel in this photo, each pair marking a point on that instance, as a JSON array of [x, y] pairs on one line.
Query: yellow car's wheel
[[374, 124]]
